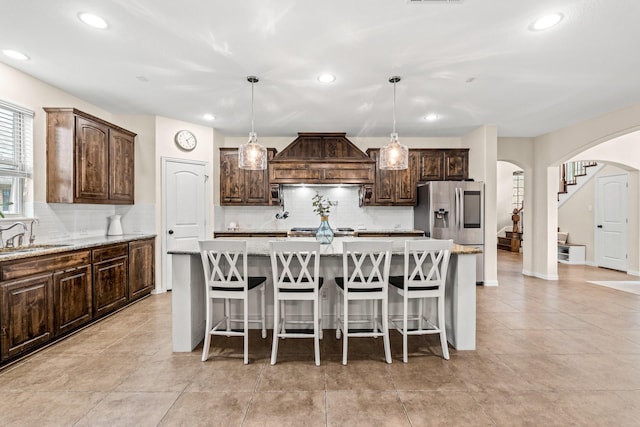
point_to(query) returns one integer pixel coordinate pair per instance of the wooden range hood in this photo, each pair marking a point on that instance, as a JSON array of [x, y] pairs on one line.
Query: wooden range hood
[[321, 158]]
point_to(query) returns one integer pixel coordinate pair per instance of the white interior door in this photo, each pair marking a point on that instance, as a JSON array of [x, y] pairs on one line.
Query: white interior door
[[186, 200], [611, 222]]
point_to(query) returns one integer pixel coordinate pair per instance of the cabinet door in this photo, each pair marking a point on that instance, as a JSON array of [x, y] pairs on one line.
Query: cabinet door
[[121, 167], [257, 189], [456, 165], [91, 161], [431, 165], [141, 268], [72, 298], [406, 183], [109, 285], [27, 314], [231, 178], [385, 184]]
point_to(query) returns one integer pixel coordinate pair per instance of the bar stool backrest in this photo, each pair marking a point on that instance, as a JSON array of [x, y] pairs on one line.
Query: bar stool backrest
[[366, 264], [225, 264], [295, 265], [425, 264]]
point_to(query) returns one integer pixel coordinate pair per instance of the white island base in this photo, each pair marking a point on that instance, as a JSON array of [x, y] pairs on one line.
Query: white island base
[[188, 298]]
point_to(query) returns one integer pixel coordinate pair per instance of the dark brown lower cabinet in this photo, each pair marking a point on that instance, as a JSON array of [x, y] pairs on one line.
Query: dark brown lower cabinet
[[27, 314], [45, 297], [141, 268], [72, 298], [110, 287]]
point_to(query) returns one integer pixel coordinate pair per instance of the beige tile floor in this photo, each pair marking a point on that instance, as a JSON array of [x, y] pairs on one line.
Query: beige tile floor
[[549, 353]]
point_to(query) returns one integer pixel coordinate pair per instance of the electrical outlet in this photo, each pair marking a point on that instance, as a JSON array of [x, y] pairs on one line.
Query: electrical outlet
[[325, 294]]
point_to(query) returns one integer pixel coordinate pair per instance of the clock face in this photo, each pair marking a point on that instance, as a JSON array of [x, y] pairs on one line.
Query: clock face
[[186, 140]]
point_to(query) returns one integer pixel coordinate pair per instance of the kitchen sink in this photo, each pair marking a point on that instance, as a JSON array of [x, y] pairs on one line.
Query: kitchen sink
[[32, 248]]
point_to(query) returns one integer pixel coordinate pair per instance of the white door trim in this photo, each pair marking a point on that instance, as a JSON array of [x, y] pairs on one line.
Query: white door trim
[[166, 258]]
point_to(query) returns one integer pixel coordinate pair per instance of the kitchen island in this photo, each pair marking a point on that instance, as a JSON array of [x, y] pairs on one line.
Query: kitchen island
[[188, 294]]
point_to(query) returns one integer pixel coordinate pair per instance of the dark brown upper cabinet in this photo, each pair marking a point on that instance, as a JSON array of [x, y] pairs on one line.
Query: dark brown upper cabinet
[[443, 164], [89, 160], [243, 187], [393, 187]]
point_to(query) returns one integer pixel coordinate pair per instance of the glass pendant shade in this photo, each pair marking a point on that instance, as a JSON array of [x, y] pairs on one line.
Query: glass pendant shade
[[252, 155], [394, 156]]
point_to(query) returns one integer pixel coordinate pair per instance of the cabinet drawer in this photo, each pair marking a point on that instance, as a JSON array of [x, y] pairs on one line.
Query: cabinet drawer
[[109, 252], [54, 262]]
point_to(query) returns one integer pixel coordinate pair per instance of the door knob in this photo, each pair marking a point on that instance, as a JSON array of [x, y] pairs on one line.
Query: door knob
[[599, 226], [170, 231]]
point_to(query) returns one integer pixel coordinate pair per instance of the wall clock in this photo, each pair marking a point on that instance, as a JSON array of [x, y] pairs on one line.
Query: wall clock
[[186, 140]]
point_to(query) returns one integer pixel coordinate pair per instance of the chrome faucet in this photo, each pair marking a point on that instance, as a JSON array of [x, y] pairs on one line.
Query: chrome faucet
[[32, 236], [10, 241]]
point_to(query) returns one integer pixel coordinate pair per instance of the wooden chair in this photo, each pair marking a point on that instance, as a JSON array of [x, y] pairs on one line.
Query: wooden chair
[[296, 267], [365, 265], [425, 273], [226, 277]]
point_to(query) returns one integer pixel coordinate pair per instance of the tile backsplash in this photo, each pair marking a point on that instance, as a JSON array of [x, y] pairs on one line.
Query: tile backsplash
[[59, 221], [297, 201]]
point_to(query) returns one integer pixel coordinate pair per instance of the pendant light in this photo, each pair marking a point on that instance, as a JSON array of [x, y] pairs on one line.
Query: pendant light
[[252, 155], [394, 156]]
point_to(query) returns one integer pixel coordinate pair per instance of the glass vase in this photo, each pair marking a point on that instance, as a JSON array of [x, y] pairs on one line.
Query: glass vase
[[324, 234]]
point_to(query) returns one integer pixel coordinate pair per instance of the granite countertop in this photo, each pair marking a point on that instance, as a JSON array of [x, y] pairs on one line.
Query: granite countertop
[[339, 233], [260, 246], [47, 248]]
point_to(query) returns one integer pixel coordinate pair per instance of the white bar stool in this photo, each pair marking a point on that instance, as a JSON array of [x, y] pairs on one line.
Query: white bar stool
[[365, 265], [425, 273], [295, 266], [226, 277]]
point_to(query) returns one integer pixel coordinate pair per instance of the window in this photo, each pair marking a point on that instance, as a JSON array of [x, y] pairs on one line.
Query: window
[[517, 196], [16, 157]]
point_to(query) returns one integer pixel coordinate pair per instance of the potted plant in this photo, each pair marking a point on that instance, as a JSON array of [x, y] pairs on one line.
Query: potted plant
[[322, 206]]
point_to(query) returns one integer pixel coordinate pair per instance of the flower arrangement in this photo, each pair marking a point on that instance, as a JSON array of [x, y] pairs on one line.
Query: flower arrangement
[[322, 205]]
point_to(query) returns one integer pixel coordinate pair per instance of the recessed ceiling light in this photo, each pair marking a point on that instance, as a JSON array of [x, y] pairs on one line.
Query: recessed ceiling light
[[546, 21], [93, 20], [209, 117], [326, 78], [15, 54], [431, 117]]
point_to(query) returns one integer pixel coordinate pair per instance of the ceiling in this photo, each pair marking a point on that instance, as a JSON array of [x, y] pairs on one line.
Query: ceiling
[[472, 63]]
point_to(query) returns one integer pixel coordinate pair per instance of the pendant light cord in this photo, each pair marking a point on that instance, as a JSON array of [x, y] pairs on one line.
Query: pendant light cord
[[252, 131], [394, 106]]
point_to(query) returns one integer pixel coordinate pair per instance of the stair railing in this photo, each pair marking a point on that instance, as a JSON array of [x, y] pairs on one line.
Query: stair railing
[[570, 171]]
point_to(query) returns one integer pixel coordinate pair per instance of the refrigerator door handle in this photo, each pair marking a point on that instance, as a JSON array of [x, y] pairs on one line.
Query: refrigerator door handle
[[457, 208], [431, 215], [461, 206]]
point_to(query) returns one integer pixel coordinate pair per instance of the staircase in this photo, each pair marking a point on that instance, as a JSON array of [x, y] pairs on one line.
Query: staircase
[[513, 239], [569, 173], [511, 242]]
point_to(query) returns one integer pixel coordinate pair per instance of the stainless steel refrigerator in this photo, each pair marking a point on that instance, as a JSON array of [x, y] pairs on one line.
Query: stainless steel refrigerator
[[453, 210]]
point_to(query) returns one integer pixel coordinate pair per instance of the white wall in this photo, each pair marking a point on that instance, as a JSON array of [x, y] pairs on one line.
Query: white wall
[[58, 221], [483, 145]]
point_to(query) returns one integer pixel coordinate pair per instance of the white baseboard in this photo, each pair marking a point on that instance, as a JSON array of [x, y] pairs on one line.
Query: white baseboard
[[591, 263], [540, 276], [490, 283], [633, 273]]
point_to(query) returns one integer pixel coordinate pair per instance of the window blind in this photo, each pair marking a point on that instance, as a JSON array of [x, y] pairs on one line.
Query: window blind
[[16, 141]]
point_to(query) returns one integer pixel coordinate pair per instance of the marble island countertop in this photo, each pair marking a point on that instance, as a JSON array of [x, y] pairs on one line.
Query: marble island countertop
[[338, 230], [260, 245], [46, 248]]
